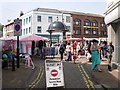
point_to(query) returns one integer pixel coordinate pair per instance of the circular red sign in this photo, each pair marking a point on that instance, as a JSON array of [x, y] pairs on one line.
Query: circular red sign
[[54, 73]]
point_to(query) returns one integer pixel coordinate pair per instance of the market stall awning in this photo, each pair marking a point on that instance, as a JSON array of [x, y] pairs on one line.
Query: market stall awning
[[34, 37]]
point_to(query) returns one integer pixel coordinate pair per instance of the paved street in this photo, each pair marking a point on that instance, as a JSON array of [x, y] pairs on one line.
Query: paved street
[[76, 76]]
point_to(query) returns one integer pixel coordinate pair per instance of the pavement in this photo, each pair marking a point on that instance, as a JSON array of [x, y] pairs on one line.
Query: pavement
[[21, 77]]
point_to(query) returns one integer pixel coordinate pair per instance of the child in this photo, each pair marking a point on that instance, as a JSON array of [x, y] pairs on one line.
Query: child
[[74, 55], [29, 62]]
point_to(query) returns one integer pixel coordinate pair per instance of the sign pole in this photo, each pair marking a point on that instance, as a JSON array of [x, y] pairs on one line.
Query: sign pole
[[17, 32], [18, 65]]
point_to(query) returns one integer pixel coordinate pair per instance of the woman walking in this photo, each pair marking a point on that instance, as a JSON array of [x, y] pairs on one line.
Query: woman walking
[[95, 55]]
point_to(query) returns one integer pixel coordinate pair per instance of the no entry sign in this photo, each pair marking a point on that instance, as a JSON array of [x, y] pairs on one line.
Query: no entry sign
[[54, 74]]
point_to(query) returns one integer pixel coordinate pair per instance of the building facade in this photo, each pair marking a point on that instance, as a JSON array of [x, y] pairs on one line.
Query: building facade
[[112, 19], [88, 26], [38, 20], [8, 29], [80, 25]]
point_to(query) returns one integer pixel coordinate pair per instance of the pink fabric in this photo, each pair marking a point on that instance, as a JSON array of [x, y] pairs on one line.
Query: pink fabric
[[34, 37]]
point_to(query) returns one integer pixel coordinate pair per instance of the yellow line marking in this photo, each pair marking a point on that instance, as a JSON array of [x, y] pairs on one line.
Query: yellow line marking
[[34, 82], [38, 80], [90, 82], [86, 78]]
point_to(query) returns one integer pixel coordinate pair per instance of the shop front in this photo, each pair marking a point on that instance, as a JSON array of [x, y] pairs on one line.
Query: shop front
[[112, 19]]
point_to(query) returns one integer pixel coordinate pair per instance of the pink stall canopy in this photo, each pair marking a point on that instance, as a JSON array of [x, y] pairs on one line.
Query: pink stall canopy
[[34, 37]]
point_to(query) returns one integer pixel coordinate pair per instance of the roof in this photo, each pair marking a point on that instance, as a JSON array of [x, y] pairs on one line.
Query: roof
[[81, 13], [47, 10]]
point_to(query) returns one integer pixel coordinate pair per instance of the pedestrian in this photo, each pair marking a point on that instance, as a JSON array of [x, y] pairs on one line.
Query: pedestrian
[[68, 51], [89, 51], [74, 56], [78, 48], [29, 62], [61, 51], [52, 51], [74, 45], [110, 52], [95, 55]]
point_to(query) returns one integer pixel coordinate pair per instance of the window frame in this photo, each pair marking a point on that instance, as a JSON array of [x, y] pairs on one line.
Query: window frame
[[39, 18], [40, 30]]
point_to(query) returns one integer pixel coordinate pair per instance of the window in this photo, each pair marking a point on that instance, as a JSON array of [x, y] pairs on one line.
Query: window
[[26, 30], [49, 19], [87, 31], [77, 30], [94, 32], [77, 22], [39, 29], [29, 29], [67, 19], [94, 23], [29, 19], [87, 22], [102, 26], [26, 20], [103, 33], [39, 18]]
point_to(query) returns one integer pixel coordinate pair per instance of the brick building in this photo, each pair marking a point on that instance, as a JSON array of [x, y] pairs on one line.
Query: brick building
[[88, 26]]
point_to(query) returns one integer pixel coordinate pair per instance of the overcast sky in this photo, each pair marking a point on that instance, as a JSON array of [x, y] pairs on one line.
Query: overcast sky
[[11, 10]]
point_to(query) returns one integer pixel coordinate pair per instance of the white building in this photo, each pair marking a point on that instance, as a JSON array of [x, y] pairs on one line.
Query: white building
[[38, 20], [112, 19]]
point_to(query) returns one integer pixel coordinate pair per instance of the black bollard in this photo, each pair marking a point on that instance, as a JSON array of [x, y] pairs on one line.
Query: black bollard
[[13, 64]]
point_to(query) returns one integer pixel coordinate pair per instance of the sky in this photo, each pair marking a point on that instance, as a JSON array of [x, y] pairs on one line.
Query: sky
[[11, 10]]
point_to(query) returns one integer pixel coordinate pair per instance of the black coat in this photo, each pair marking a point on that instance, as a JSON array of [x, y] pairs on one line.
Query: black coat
[[61, 50]]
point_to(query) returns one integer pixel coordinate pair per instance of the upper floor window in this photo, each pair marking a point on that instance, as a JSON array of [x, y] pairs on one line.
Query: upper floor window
[[26, 20], [49, 19], [39, 18], [94, 23], [39, 29], [102, 26], [26, 30], [87, 22], [67, 19], [77, 30], [29, 29], [29, 19], [87, 31], [77, 22]]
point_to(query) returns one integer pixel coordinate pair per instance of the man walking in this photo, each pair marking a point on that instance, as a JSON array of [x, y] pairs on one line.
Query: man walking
[[110, 52]]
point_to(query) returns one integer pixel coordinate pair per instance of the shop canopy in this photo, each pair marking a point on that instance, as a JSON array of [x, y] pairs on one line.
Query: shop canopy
[[32, 37]]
